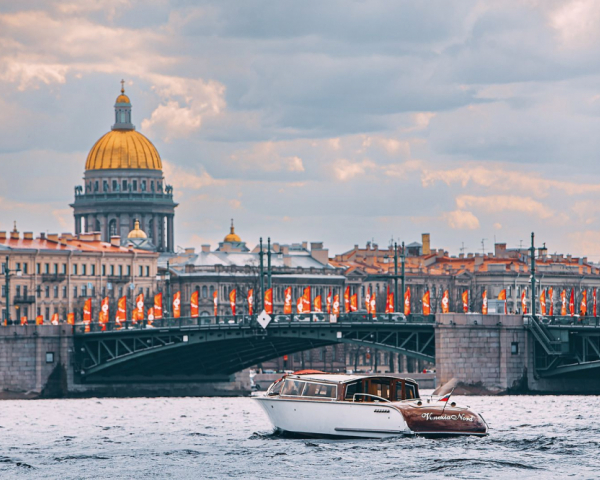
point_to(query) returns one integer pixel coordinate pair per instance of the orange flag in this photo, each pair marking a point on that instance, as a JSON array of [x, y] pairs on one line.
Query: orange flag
[[39, 320], [336, 305], [103, 316], [194, 300], [465, 301], [354, 303], [138, 313], [502, 296], [368, 300], [158, 306], [121, 315], [318, 306], [347, 299], [216, 302], [54, 319], [329, 302], [251, 301], [232, 300], [551, 300], [23, 320], [583, 304], [177, 305], [150, 315], [426, 303], [87, 311], [299, 305], [306, 303], [269, 301], [543, 302], [71, 319], [446, 302], [524, 302], [407, 301], [563, 303], [484, 304], [287, 302], [373, 310], [572, 302]]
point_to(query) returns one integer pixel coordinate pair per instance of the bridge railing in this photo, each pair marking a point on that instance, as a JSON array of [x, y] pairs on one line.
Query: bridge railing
[[251, 321], [576, 320]]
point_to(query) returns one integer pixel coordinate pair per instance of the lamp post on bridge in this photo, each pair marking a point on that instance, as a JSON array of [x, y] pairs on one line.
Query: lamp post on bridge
[[166, 277], [7, 274], [533, 292]]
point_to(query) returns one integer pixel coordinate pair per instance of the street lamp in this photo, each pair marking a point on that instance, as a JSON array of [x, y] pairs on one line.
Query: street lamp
[[7, 274], [166, 277]]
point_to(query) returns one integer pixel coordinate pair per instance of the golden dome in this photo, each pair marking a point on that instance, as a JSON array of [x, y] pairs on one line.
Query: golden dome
[[123, 149], [232, 237], [137, 232], [122, 99]]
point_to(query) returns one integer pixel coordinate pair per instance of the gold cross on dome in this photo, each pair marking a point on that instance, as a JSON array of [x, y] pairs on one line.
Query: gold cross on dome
[[122, 86]]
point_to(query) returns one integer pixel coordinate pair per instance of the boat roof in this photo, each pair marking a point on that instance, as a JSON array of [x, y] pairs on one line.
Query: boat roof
[[342, 378]]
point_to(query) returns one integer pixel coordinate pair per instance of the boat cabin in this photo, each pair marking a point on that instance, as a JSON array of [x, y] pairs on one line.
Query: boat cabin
[[347, 388]]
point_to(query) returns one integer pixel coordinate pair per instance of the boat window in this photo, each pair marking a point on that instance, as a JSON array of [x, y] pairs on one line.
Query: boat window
[[409, 389], [320, 390], [292, 387], [351, 389], [380, 388]]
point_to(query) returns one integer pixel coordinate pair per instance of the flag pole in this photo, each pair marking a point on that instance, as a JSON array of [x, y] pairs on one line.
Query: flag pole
[[447, 400]]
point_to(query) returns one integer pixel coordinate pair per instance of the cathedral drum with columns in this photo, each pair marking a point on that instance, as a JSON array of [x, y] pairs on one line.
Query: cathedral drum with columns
[[124, 184]]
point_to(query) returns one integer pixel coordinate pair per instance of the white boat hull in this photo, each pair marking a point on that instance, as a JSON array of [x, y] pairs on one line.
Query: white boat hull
[[340, 419]]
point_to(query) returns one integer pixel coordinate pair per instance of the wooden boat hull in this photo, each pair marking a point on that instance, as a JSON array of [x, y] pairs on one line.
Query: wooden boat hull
[[435, 420]]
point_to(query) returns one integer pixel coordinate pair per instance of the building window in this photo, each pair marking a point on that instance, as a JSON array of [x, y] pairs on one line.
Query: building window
[[74, 269], [55, 268], [75, 291], [18, 265], [115, 186], [55, 291], [25, 268], [18, 291], [120, 270], [38, 291], [84, 269], [93, 272], [112, 270], [47, 291], [104, 270], [147, 271], [4, 290], [46, 268], [49, 357], [135, 185], [83, 291], [64, 268], [38, 268], [140, 271], [514, 348], [129, 270], [64, 290], [204, 292], [93, 294], [124, 185], [47, 313]]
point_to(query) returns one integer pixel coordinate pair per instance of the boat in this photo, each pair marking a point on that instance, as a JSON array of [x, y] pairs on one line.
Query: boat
[[319, 404]]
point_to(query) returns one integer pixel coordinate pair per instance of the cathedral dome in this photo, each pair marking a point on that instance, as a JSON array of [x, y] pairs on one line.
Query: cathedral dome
[[232, 237], [137, 232], [123, 149]]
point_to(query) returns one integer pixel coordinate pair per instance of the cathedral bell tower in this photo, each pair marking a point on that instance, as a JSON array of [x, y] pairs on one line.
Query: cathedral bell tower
[[124, 184]]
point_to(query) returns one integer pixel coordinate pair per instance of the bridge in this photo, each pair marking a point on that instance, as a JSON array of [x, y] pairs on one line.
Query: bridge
[[205, 348]]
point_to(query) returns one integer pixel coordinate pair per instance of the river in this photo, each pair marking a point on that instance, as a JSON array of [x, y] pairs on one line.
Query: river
[[146, 438]]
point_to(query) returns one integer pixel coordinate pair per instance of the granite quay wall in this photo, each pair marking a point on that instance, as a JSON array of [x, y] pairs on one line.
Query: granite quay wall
[[37, 362]]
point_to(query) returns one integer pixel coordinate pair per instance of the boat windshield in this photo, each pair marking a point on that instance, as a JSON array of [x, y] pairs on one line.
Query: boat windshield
[[298, 388]]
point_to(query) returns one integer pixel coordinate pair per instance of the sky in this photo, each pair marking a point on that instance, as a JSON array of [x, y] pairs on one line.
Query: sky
[[339, 121]]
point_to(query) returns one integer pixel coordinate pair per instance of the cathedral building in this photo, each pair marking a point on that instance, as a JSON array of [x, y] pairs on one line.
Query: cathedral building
[[124, 188]]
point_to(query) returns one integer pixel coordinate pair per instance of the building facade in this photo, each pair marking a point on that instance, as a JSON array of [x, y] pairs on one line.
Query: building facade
[[124, 183]]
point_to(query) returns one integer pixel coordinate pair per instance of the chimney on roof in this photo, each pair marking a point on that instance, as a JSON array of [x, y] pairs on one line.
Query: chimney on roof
[[285, 249], [190, 251], [275, 247], [206, 248], [115, 241], [469, 255], [305, 245], [42, 236], [53, 237], [86, 237], [67, 236], [569, 257], [2, 235], [319, 253], [426, 241], [461, 255], [27, 235], [97, 236]]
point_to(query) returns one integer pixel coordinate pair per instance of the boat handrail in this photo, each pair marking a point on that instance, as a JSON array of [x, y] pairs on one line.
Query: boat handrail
[[369, 395]]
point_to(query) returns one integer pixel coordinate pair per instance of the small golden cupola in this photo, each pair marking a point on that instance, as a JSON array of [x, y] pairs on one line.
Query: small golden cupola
[[137, 232], [232, 237]]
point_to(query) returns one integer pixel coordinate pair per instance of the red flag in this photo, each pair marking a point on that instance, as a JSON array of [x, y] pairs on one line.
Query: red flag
[[318, 306], [39, 320], [336, 305], [502, 296], [138, 313], [389, 301], [407, 301], [524, 301], [158, 306], [251, 301], [299, 305], [368, 300], [550, 297], [216, 302], [23, 320], [484, 303], [465, 301], [87, 314], [543, 302], [347, 299], [426, 303], [287, 302], [54, 319], [572, 302], [269, 301], [446, 302], [232, 301], [150, 316], [194, 300], [121, 315], [329, 302], [563, 303], [306, 300], [103, 316], [354, 303], [583, 304], [177, 305], [71, 318], [373, 310]]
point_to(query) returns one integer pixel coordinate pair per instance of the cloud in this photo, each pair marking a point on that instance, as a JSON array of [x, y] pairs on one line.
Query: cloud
[[345, 170], [501, 203], [182, 178], [461, 220]]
